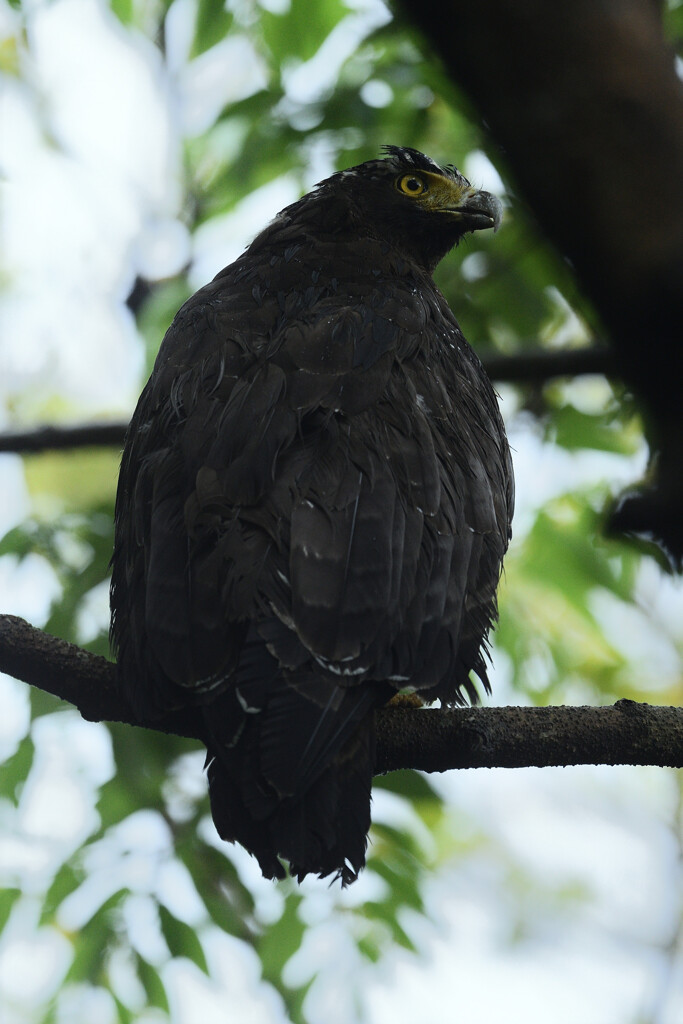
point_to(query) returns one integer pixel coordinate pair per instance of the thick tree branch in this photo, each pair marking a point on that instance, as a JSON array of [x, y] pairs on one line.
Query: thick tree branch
[[584, 101], [431, 740], [86, 680], [521, 737]]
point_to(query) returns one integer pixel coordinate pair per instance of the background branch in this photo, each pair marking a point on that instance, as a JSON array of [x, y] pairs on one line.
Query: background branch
[[85, 435], [431, 740], [585, 105], [530, 367], [581, 98]]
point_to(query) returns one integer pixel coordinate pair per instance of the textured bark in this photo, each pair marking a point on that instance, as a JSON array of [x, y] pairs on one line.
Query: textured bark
[[521, 737], [427, 739], [86, 680]]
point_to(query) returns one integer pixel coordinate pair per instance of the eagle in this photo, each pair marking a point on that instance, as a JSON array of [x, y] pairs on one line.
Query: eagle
[[314, 502]]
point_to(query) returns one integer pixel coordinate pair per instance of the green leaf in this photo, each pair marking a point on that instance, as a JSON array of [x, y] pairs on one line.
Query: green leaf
[[301, 31], [66, 881], [152, 984], [142, 758], [19, 541], [80, 479], [124, 1015], [275, 947], [385, 913], [93, 941], [565, 551], [182, 939], [15, 770], [370, 948], [282, 939], [228, 902], [157, 312], [212, 24], [43, 703], [673, 24], [124, 10], [8, 898], [400, 864], [265, 153], [572, 429], [409, 783], [548, 625]]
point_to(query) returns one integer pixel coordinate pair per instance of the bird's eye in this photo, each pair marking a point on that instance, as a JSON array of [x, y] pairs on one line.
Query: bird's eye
[[411, 185]]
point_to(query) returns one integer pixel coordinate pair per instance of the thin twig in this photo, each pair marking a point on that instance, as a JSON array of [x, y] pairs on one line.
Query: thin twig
[[86, 435]]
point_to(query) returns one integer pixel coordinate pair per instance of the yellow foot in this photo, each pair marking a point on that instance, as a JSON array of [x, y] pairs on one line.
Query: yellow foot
[[406, 700]]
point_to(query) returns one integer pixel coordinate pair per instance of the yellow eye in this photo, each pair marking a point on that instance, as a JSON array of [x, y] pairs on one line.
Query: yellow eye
[[411, 185]]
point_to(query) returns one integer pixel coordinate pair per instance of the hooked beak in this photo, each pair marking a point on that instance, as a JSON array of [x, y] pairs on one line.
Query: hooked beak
[[478, 210]]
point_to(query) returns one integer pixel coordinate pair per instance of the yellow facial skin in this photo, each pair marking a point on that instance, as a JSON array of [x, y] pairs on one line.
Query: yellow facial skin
[[434, 192]]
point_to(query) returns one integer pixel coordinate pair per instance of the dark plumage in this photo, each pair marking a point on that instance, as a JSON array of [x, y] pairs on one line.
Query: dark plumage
[[314, 503]]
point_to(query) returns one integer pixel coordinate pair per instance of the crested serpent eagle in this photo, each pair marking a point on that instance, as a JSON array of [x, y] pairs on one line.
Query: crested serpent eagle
[[314, 502]]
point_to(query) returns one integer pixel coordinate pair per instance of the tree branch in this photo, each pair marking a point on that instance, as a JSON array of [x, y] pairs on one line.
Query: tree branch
[[86, 680], [431, 740], [584, 102], [534, 366], [522, 737], [538, 365], [86, 435]]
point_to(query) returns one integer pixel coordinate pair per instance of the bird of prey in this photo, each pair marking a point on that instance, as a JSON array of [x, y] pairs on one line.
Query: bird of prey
[[314, 503]]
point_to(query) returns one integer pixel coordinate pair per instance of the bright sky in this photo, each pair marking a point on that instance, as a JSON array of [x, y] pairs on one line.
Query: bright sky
[[91, 158]]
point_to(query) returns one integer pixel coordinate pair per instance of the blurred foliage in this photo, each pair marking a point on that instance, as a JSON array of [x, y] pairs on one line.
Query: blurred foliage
[[510, 293]]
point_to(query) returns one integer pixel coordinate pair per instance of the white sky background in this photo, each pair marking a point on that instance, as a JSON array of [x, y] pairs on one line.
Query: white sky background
[[83, 214]]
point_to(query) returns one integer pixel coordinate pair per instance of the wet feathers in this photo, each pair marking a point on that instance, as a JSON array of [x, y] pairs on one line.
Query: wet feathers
[[314, 502]]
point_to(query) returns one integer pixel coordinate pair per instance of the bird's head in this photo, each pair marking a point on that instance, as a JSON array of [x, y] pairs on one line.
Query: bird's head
[[413, 203]]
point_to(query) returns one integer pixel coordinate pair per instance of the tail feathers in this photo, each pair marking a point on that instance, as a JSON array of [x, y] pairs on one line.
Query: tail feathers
[[346, 819], [295, 783]]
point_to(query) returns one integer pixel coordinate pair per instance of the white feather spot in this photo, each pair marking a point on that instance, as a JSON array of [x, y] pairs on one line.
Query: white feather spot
[[248, 710]]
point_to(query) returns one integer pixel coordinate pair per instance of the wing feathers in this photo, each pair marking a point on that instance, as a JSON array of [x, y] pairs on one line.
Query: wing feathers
[[313, 507]]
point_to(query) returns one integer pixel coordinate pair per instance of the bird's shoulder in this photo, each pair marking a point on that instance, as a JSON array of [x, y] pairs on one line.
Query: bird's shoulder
[[316, 310]]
